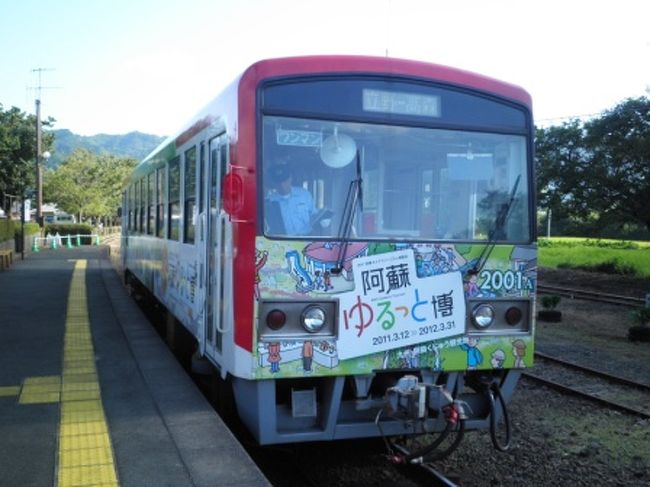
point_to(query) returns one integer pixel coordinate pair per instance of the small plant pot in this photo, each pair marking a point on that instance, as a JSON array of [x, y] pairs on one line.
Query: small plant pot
[[551, 315]]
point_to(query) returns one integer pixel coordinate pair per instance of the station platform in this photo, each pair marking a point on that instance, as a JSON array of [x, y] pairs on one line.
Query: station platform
[[89, 393]]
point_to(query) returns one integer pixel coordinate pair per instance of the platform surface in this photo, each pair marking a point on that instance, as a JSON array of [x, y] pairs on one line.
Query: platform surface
[[89, 393]]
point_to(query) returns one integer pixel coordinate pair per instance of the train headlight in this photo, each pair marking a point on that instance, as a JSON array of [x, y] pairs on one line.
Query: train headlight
[[483, 315], [313, 318], [276, 319], [514, 316]]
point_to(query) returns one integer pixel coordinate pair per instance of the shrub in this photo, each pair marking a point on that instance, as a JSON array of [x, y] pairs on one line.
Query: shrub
[[550, 302], [74, 229], [7, 229]]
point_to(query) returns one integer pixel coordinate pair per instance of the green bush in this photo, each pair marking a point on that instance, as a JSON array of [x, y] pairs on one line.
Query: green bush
[[7, 229], [73, 229], [550, 302]]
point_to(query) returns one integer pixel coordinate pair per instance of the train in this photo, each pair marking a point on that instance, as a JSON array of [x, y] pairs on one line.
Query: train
[[350, 242]]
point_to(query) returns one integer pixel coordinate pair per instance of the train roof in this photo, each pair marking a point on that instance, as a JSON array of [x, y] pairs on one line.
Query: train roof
[[350, 64]]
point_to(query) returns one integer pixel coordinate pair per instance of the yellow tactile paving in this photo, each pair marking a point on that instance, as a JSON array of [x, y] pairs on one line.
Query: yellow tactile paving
[[85, 453], [40, 390], [9, 391]]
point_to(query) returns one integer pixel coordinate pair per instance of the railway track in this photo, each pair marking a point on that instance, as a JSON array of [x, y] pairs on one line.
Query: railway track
[[590, 295], [608, 390]]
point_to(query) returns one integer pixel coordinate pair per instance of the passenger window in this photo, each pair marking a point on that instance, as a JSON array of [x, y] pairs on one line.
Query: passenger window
[[190, 195], [174, 210]]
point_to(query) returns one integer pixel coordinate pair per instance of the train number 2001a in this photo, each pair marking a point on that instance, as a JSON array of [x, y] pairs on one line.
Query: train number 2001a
[[497, 280]]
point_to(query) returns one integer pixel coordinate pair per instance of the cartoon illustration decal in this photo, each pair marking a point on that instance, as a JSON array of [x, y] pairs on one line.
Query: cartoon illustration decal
[[519, 351], [261, 257], [474, 355], [497, 359], [387, 317], [274, 356]]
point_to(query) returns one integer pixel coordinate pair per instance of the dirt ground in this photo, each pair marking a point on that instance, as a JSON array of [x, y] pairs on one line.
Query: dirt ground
[[561, 440]]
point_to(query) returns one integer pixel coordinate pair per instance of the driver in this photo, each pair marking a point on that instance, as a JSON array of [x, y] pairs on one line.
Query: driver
[[295, 203]]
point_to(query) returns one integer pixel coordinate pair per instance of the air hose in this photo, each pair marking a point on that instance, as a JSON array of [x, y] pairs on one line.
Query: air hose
[[453, 418], [492, 391]]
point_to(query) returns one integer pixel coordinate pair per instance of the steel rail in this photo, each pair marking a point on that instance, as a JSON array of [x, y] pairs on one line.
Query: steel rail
[[598, 373], [438, 477], [590, 295], [574, 392]]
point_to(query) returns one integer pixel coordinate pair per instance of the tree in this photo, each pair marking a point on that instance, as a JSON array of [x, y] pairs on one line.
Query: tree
[[88, 185], [620, 161], [18, 152], [561, 158], [598, 173]]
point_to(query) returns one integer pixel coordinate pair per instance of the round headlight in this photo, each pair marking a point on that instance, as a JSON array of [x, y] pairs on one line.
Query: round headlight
[[513, 316], [483, 315], [276, 319], [313, 318]]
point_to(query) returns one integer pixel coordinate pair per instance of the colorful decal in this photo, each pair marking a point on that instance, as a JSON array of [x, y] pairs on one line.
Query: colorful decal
[[392, 307], [298, 271]]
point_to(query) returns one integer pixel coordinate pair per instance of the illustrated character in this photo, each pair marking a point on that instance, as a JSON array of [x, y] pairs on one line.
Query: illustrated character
[[327, 278], [260, 259], [498, 357], [274, 356], [319, 282], [474, 355], [519, 351], [471, 288], [307, 355]]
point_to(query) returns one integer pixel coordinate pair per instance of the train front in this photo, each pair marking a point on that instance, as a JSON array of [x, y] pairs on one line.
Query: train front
[[395, 258]]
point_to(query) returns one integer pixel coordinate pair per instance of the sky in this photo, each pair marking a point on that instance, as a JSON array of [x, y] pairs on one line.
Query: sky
[[116, 66]]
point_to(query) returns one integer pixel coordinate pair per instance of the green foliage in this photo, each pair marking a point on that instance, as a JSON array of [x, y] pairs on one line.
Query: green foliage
[[87, 184], [134, 145], [18, 151], [631, 262], [7, 229], [596, 175], [64, 229], [580, 242], [550, 302], [641, 316]]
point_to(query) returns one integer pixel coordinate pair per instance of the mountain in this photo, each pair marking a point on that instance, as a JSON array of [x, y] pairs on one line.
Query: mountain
[[133, 144]]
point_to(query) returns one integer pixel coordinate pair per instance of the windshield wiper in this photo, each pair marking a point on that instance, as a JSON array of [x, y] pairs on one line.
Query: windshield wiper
[[497, 230], [353, 199]]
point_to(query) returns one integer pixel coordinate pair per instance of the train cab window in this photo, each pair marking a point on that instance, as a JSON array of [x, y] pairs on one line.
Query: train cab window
[[160, 202], [174, 199], [416, 183], [151, 203], [190, 196]]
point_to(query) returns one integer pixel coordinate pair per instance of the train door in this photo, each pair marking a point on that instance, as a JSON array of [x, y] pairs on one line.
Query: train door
[[217, 219]]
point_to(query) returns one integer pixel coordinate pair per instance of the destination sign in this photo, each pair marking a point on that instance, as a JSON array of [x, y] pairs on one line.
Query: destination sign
[[401, 103]]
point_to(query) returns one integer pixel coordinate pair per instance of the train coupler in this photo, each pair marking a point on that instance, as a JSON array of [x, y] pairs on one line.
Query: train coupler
[[410, 399]]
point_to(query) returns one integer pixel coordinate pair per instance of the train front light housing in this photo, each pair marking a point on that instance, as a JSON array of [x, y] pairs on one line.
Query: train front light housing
[[483, 315], [313, 318]]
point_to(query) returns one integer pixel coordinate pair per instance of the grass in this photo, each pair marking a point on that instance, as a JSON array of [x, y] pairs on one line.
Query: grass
[[630, 258]]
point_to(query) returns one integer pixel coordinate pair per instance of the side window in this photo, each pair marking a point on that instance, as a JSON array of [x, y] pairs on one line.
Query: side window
[[136, 207], [160, 202], [223, 161], [190, 195], [202, 178], [143, 204], [130, 208], [174, 199], [151, 201]]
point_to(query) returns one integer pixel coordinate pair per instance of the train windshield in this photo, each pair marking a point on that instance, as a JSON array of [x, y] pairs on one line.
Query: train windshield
[[416, 183]]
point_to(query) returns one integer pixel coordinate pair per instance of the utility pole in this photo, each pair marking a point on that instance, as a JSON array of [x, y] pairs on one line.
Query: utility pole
[[39, 149]]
